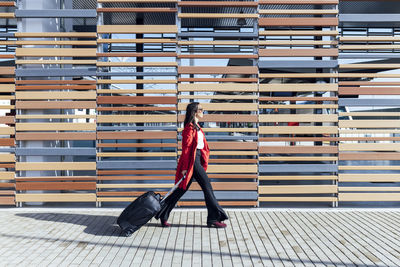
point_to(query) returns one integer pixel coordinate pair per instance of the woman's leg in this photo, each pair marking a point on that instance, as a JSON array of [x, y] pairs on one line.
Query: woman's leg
[[171, 201], [215, 212]]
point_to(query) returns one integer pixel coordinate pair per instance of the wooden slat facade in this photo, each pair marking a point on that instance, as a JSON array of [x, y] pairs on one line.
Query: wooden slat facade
[[55, 112], [297, 118], [288, 117], [7, 106]]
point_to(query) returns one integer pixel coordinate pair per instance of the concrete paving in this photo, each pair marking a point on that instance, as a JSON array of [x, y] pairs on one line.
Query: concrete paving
[[254, 237]]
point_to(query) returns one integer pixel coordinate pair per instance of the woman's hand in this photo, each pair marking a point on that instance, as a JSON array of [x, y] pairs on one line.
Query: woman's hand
[[184, 172]]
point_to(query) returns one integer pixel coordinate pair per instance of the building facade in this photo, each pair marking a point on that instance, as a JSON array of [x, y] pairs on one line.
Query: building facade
[[301, 99]]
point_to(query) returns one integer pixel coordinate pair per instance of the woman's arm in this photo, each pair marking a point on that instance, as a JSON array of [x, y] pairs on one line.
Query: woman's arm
[[187, 142]]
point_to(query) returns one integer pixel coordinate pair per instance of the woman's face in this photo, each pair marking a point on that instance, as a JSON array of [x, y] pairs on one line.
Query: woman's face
[[199, 113]]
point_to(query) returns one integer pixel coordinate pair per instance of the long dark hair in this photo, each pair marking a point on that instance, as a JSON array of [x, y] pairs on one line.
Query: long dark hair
[[191, 110]]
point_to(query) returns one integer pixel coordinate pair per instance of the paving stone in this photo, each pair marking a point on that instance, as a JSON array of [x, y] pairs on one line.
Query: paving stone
[[254, 237]]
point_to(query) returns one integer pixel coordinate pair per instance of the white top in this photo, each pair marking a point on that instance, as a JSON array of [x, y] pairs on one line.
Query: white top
[[200, 142]]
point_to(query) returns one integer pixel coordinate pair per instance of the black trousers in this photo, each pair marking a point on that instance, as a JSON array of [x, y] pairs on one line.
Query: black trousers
[[215, 212]]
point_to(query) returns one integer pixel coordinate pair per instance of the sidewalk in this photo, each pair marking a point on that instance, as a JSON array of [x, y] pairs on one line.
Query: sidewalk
[[254, 237]]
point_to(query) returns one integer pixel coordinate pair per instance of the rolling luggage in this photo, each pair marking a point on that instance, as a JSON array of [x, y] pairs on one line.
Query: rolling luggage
[[140, 211]]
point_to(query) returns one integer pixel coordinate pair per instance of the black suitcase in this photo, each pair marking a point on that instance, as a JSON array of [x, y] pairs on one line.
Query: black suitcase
[[141, 210]]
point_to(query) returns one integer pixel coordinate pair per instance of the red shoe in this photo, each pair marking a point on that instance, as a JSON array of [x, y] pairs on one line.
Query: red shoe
[[216, 225], [165, 224]]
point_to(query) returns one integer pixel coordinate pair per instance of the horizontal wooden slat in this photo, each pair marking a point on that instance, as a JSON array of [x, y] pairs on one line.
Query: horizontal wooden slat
[[136, 99], [298, 21], [56, 95], [62, 62], [55, 52], [297, 177], [208, 43], [299, 2], [218, 56], [7, 158], [55, 116], [298, 149], [298, 87], [224, 118], [136, 135], [137, 64], [55, 178], [42, 166], [297, 11], [297, 199], [298, 118], [211, 70], [290, 42], [218, 3], [368, 38], [7, 130], [7, 70], [137, 29], [317, 52], [5, 175], [297, 189], [138, 81], [228, 97], [220, 87], [297, 33], [55, 186], [237, 168], [369, 146], [369, 156], [369, 196], [39, 42], [369, 167], [302, 106], [135, 118], [298, 130], [362, 177], [224, 106], [299, 75], [8, 15], [369, 189], [56, 136], [222, 203], [55, 104], [64, 197], [367, 47], [55, 34], [369, 66], [217, 15], [126, 9], [136, 145], [137, 41], [20, 82], [136, 91], [369, 124], [7, 88], [55, 126], [136, 154], [225, 80], [369, 91], [7, 200], [291, 158], [132, 54], [7, 3]]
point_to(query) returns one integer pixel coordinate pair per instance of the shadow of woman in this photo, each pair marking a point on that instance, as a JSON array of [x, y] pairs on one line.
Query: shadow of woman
[[98, 225]]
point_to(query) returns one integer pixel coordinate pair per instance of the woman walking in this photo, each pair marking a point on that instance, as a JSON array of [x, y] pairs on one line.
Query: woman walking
[[193, 163]]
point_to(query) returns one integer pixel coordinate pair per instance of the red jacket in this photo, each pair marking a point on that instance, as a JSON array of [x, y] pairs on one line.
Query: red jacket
[[188, 156]]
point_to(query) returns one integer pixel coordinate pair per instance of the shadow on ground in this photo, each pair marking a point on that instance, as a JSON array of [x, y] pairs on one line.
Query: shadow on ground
[[99, 225], [95, 224]]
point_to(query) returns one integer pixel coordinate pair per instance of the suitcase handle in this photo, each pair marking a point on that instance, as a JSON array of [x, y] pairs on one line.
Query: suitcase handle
[[172, 189]]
